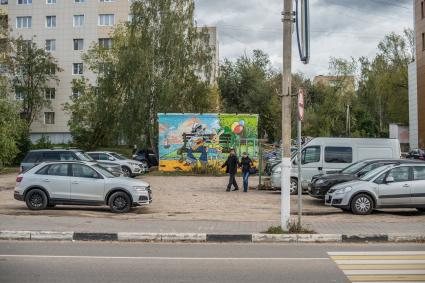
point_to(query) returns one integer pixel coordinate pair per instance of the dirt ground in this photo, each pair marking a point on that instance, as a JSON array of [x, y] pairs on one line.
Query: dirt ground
[[204, 198]]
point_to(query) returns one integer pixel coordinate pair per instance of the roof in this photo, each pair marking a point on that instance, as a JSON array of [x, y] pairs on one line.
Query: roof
[[55, 150]]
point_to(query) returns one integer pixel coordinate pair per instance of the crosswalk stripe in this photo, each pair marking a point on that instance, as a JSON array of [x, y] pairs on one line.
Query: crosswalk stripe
[[379, 261], [384, 272], [368, 257], [385, 278], [381, 267], [378, 253]]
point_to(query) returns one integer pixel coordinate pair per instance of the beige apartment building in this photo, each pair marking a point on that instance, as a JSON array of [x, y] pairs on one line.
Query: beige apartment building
[[67, 29]]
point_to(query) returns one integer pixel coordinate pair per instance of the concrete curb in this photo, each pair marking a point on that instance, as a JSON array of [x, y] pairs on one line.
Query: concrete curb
[[210, 238]]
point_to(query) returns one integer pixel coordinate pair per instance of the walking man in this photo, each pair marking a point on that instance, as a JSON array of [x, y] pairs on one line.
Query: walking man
[[246, 164], [231, 165]]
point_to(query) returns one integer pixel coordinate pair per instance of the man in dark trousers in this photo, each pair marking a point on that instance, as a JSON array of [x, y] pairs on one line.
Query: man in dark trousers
[[231, 165]]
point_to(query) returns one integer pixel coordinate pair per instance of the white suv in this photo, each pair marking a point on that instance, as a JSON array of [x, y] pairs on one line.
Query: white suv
[[129, 167], [79, 183]]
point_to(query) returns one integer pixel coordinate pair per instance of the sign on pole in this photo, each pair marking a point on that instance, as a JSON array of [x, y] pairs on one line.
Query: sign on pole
[[301, 104]]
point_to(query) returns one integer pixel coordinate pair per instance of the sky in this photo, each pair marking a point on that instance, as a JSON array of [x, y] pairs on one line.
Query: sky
[[339, 28]]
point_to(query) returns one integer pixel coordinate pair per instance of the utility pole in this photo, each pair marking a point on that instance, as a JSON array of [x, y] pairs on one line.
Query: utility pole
[[286, 113]]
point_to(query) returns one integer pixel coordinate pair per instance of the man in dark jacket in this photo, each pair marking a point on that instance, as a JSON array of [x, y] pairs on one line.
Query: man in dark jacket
[[231, 165], [246, 164]]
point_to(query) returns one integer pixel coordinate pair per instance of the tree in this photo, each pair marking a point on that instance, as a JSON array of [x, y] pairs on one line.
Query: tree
[[31, 71], [249, 86], [11, 127], [159, 62]]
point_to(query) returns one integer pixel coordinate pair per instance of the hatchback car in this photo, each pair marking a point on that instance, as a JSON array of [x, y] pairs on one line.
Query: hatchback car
[[320, 184], [390, 186], [79, 183]]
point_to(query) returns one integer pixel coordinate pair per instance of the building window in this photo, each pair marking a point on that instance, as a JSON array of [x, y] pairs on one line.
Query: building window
[[50, 21], [76, 93], [49, 118], [422, 9], [79, 1], [24, 2], [50, 93], [78, 20], [3, 2], [50, 1], [77, 68], [105, 42], [50, 44], [130, 18], [78, 44], [105, 1], [23, 22], [106, 19]]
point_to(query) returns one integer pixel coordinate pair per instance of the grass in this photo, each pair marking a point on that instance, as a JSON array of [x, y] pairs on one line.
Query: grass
[[293, 228], [9, 170]]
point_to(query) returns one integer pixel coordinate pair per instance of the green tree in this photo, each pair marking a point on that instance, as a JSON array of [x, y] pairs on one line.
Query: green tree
[[248, 85], [11, 127], [31, 71]]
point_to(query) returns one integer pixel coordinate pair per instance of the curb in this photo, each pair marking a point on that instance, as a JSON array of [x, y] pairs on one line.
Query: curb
[[211, 238]]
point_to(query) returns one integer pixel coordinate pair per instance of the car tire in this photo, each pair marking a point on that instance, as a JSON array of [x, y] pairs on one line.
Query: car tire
[[126, 171], [294, 186], [36, 199], [120, 202], [421, 209], [362, 204]]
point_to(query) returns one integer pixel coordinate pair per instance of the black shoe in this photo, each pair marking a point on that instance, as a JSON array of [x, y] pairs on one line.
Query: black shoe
[[228, 190], [235, 189]]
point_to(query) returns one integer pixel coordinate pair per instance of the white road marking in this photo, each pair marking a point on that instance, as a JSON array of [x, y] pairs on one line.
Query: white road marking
[[377, 253], [383, 272], [390, 282], [162, 258], [379, 261]]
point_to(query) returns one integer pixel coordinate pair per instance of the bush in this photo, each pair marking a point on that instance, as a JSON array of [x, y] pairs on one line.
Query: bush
[[293, 228]]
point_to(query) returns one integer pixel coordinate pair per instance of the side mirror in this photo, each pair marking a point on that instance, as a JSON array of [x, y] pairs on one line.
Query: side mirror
[[389, 179], [361, 174], [110, 158]]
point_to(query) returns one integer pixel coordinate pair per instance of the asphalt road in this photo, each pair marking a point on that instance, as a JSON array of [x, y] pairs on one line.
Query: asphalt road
[[135, 262]]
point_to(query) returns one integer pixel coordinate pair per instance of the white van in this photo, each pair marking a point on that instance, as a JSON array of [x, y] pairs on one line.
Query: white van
[[322, 155]]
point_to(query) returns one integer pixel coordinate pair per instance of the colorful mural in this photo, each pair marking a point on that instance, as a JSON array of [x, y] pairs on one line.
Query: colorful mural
[[186, 140]]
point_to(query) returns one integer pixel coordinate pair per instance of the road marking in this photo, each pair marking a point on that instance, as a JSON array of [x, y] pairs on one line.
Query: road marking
[[162, 258], [381, 267]]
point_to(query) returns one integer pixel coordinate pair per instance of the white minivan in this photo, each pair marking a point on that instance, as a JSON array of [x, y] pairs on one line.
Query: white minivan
[[324, 155]]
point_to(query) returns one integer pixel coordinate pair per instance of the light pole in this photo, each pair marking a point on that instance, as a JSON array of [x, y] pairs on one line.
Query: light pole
[[286, 113]]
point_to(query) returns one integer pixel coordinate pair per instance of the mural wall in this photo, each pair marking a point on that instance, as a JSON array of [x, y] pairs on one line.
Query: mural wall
[[186, 140]]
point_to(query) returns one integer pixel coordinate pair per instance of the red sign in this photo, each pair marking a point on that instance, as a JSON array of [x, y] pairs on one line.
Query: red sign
[[301, 104]]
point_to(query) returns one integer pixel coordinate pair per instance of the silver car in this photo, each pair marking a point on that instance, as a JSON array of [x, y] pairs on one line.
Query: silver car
[[79, 183], [129, 167], [392, 186]]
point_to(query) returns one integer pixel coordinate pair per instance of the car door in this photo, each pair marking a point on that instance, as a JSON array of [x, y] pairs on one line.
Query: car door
[[86, 184], [311, 162], [56, 180], [397, 192], [418, 185]]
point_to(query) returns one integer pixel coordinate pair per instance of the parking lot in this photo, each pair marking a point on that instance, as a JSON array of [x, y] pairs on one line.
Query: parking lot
[[204, 198]]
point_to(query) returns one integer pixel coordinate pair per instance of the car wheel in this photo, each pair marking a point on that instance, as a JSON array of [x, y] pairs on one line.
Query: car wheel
[[294, 186], [420, 209], [36, 199], [120, 202], [362, 204], [126, 171]]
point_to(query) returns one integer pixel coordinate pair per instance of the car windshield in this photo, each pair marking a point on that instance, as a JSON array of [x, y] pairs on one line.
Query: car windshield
[[117, 156], [354, 168], [104, 171], [372, 174], [83, 156]]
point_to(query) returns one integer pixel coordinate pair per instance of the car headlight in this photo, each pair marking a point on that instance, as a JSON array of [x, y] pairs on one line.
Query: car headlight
[[139, 189], [277, 169], [134, 163], [343, 191], [320, 182]]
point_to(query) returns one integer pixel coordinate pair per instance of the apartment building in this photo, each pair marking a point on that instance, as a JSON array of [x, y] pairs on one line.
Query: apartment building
[[420, 68], [67, 29]]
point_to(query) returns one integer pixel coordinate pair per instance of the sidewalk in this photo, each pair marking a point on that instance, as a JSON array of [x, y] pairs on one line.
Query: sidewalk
[[104, 225]]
